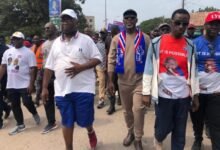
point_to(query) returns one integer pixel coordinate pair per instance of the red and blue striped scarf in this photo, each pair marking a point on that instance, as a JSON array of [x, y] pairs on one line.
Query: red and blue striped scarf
[[140, 52]]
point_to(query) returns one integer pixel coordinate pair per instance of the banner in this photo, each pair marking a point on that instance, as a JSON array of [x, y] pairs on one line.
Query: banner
[[119, 24], [54, 8]]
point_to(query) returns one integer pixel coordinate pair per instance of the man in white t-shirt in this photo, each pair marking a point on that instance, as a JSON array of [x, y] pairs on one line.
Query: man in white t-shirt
[[73, 57], [20, 64]]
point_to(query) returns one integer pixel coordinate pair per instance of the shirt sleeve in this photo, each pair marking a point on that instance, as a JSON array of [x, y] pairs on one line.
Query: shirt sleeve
[[93, 51], [112, 54], [32, 59], [50, 62], [4, 58]]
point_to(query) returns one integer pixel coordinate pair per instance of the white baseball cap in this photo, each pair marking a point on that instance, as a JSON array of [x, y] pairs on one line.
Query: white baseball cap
[[18, 34], [69, 12]]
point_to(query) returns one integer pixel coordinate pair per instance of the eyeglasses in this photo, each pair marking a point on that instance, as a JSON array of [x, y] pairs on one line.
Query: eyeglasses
[[211, 50], [178, 23], [131, 17]]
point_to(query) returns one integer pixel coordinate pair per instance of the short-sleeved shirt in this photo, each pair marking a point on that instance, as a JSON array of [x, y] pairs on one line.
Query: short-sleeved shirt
[[18, 63], [80, 49], [208, 63]]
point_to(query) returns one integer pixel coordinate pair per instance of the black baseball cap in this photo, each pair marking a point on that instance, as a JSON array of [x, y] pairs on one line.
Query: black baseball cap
[[130, 12]]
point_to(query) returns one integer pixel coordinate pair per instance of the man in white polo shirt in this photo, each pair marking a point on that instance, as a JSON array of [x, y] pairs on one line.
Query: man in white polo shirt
[[73, 57]]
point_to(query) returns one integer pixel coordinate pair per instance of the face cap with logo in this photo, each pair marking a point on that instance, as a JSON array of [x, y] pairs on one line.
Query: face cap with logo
[[69, 12], [212, 16]]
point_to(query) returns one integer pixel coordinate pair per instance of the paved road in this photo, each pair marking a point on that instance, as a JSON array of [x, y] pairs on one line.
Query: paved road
[[110, 130]]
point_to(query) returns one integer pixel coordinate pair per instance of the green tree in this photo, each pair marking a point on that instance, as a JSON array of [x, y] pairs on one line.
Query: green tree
[[149, 25], [208, 9], [29, 16]]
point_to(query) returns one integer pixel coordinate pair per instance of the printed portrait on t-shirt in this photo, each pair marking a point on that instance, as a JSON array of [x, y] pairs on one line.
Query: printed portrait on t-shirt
[[210, 66], [172, 67], [9, 61], [16, 64]]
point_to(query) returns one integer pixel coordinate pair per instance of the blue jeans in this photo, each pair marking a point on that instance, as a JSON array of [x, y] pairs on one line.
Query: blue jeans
[[171, 116]]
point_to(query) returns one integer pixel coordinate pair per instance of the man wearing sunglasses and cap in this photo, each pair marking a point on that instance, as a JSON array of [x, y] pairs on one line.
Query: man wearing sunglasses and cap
[[20, 64], [208, 55], [127, 57], [164, 28], [170, 78], [72, 58]]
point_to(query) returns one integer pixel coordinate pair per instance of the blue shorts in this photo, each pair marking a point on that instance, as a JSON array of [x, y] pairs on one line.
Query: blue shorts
[[76, 107]]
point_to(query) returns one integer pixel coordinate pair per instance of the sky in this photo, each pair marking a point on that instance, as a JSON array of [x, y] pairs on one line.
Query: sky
[[146, 9]]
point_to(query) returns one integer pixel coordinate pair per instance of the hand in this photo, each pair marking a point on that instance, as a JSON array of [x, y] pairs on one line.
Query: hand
[[30, 89], [146, 100], [111, 88], [195, 103], [74, 70], [44, 95]]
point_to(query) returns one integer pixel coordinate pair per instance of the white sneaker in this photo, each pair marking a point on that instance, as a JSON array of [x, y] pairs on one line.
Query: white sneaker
[[17, 129], [158, 145]]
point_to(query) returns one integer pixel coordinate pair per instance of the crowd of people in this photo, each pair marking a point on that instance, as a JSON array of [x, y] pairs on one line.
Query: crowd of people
[[171, 67]]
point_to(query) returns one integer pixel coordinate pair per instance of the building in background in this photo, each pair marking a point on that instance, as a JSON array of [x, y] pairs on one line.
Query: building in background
[[90, 22], [198, 20]]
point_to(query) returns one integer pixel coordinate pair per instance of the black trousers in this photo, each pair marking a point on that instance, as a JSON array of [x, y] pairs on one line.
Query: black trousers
[[50, 106], [3, 107], [199, 117], [213, 118], [14, 96]]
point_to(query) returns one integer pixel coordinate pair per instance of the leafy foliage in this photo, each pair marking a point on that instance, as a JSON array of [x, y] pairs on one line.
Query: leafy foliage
[[29, 16], [208, 9], [149, 25]]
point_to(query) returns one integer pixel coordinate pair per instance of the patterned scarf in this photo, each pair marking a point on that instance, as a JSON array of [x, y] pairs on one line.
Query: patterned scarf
[[140, 52]]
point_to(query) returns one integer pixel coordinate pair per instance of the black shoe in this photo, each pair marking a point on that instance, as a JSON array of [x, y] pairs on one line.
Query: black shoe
[[119, 101], [49, 128], [197, 145], [101, 104], [128, 139], [111, 110], [7, 113], [138, 145]]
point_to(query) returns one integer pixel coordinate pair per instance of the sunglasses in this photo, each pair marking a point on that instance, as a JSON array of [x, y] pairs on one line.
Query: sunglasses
[[178, 23], [131, 17], [211, 50]]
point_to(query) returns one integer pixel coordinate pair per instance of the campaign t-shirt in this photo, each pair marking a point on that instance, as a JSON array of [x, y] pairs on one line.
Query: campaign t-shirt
[[18, 63], [173, 70], [208, 55]]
